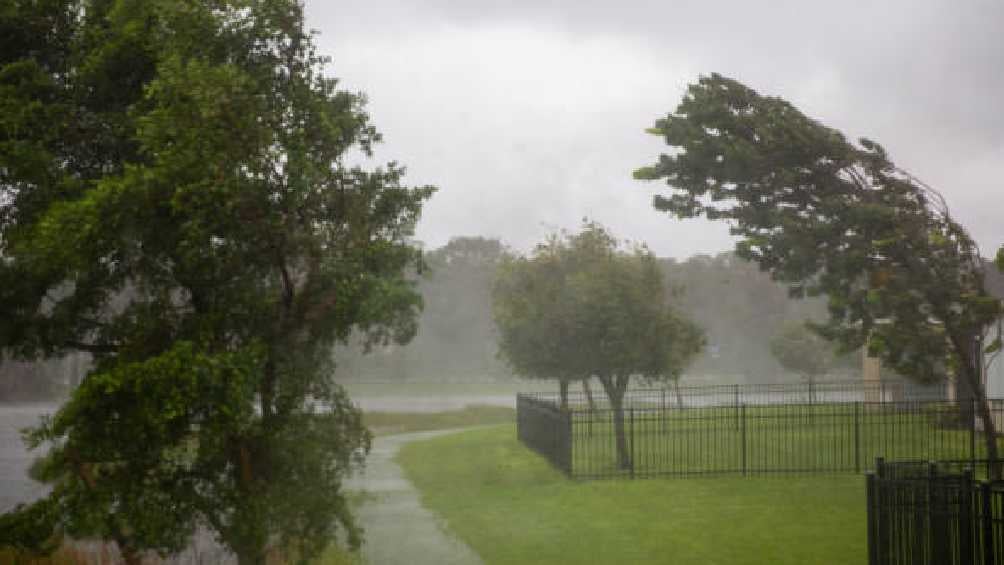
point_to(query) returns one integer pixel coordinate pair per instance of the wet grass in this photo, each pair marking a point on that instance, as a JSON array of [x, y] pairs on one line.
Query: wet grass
[[822, 437], [335, 555], [433, 389], [387, 423], [511, 506]]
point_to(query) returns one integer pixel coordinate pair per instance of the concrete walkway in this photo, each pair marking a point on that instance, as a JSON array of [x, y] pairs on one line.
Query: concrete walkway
[[398, 529]]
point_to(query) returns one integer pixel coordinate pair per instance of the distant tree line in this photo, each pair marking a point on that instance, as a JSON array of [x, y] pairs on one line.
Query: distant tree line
[[456, 339], [738, 307]]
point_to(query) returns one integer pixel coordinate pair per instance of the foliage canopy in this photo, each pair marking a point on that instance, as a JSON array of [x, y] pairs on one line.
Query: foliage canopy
[[586, 305], [173, 200], [834, 218]]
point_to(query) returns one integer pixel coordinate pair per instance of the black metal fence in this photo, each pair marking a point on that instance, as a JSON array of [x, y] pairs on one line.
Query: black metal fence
[[546, 429], [922, 513], [823, 392], [754, 429]]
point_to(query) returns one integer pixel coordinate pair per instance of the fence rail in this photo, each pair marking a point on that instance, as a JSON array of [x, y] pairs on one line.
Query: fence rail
[[828, 427], [937, 513], [824, 392]]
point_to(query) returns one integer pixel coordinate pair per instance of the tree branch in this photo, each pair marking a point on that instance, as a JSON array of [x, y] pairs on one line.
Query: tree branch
[[92, 347]]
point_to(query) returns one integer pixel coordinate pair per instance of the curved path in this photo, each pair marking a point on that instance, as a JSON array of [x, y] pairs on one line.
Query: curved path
[[398, 529]]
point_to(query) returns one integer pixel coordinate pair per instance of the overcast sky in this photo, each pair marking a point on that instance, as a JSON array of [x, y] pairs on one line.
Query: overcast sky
[[529, 114]]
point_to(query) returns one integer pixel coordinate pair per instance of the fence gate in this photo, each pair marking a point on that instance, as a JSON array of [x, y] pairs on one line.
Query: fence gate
[[934, 513]]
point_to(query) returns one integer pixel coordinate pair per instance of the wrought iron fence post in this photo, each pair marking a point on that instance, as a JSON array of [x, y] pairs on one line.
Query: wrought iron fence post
[[662, 413], [735, 389], [742, 427], [519, 417], [569, 441], [881, 524], [871, 519], [857, 437], [631, 428], [987, 522], [966, 552], [935, 532], [972, 431]]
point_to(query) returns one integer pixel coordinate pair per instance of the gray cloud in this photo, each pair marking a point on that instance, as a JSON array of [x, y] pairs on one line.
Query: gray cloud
[[529, 113]]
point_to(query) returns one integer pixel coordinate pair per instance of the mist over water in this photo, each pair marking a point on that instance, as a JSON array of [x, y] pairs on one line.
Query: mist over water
[[15, 485]]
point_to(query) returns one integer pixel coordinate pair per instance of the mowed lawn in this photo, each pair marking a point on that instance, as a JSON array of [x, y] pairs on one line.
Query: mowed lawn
[[511, 506], [387, 423], [766, 439]]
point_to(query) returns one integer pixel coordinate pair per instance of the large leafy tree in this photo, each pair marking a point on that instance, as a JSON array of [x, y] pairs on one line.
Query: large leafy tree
[[835, 218], [586, 305], [173, 201]]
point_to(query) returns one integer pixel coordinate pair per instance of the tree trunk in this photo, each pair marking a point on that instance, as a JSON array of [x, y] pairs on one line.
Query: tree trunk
[[589, 394], [130, 555], [964, 395], [989, 433], [615, 388], [266, 393], [563, 388], [679, 396], [973, 397]]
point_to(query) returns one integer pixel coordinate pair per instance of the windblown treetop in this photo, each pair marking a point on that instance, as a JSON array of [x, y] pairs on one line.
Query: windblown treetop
[[835, 218], [828, 217]]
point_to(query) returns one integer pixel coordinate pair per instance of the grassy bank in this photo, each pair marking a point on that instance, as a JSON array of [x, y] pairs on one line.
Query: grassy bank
[[510, 506], [386, 423], [434, 389]]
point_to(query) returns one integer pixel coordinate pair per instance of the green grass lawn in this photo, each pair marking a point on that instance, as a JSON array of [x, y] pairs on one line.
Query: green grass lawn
[[433, 389], [386, 423], [511, 506], [765, 439]]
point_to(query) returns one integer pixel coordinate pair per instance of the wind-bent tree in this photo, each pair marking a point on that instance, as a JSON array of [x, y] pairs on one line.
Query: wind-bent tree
[[173, 202], [834, 218], [586, 305]]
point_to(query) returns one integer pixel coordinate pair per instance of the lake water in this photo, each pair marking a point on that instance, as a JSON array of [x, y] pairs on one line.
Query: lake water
[[15, 486]]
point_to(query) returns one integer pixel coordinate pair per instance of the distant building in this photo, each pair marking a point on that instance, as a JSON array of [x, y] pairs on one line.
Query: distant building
[[994, 378]]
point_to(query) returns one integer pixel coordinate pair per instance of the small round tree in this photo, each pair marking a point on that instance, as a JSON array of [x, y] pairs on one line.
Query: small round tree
[[587, 305]]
